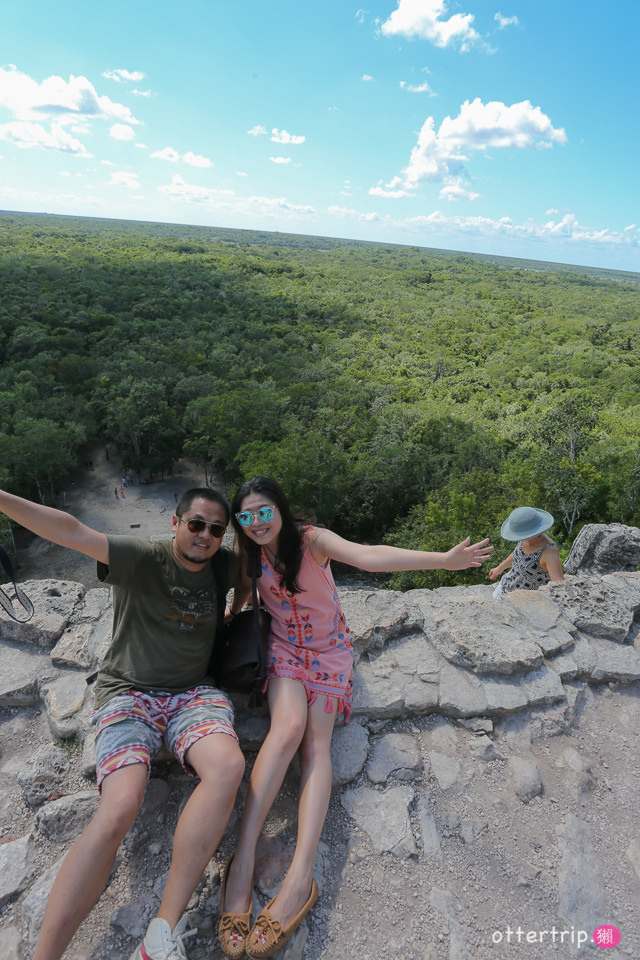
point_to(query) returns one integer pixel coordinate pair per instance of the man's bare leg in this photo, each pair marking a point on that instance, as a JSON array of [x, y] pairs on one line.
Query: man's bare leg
[[218, 761], [85, 870]]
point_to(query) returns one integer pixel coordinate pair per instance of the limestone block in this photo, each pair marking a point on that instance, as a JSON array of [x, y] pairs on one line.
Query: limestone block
[[349, 749], [66, 818], [384, 817], [17, 864], [396, 754], [604, 547], [19, 675], [54, 603], [376, 617], [597, 607]]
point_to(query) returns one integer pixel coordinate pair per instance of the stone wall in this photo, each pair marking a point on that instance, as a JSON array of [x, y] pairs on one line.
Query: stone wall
[[455, 653]]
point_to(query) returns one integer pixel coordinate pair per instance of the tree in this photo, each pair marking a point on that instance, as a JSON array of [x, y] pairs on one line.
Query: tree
[[564, 433]]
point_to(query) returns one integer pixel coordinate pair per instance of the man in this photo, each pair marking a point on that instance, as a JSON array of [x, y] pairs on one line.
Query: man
[[150, 686]]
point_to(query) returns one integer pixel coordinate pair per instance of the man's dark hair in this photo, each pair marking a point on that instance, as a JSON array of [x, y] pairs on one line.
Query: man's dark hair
[[212, 494]]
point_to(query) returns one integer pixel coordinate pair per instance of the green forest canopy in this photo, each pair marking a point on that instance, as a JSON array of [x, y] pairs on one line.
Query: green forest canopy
[[398, 393]]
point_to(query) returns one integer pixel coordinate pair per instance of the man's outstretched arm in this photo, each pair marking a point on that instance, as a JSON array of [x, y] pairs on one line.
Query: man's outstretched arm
[[56, 526]]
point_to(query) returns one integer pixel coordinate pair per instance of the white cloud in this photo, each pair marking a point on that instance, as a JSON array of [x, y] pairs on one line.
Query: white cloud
[[567, 230], [281, 136], [392, 191], [168, 153], [120, 131], [417, 88], [134, 76], [441, 156], [195, 160], [425, 19], [481, 125], [57, 99], [33, 135], [257, 131], [367, 78], [275, 205], [124, 179], [456, 190], [280, 159], [141, 93], [190, 158], [505, 21], [346, 213], [178, 189], [241, 173]]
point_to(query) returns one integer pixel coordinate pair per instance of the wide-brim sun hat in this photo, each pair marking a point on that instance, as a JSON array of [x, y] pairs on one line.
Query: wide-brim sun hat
[[526, 522]]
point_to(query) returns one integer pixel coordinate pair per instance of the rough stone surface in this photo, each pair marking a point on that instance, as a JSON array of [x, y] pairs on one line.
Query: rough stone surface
[[67, 817], [44, 774], [604, 548], [370, 807], [349, 749], [510, 718], [525, 777], [395, 754], [17, 861], [582, 896]]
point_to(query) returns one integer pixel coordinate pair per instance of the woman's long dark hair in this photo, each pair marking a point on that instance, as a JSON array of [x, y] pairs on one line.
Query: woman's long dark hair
[[289, 554]]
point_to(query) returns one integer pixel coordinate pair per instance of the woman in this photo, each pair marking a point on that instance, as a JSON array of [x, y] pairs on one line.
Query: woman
[[535, 559], [309, 680]]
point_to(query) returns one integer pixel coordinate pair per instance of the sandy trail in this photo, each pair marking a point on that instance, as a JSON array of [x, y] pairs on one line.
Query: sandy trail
[[144, 510]]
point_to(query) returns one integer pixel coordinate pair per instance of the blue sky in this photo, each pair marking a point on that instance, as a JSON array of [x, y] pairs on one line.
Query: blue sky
[[497, 127]]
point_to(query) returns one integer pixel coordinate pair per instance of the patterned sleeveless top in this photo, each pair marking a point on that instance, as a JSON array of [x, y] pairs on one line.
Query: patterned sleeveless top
[[526, 572], [310, 640]]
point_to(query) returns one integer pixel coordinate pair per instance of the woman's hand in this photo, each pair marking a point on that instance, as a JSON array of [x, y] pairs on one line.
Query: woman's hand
[[466, 555], [494, 572]]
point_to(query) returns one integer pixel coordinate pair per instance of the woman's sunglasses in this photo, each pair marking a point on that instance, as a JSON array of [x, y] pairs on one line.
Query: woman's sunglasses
[[197, 526], [246, 518]]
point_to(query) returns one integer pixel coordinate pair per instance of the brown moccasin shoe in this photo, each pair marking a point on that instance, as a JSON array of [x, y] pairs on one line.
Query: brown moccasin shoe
[[233, 928], [267, 936]]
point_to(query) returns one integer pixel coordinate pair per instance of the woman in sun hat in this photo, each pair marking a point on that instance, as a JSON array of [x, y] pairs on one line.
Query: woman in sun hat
[[535, 559]]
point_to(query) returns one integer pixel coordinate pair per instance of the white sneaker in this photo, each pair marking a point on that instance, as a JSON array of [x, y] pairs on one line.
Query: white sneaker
[[160, 943]]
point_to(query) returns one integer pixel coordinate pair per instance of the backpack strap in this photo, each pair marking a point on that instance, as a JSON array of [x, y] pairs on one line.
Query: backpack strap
[[220, 565], [5, 602]]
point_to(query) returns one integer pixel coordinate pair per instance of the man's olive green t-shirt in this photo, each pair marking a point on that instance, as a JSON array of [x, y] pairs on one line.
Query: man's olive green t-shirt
[[164, 619]]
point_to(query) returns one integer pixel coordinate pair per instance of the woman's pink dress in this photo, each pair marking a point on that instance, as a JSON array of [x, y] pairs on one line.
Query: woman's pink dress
[[310, 640]]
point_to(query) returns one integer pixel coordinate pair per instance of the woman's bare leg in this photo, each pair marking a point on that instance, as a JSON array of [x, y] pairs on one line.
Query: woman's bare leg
[[289, 710], [315, 793]]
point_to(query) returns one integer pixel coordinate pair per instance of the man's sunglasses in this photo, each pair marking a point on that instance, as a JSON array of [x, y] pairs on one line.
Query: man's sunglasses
[[197, 526], [246, 518]]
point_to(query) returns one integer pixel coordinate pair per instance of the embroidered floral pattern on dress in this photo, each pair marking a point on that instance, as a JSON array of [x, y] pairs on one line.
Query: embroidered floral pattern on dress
[[310, 639]]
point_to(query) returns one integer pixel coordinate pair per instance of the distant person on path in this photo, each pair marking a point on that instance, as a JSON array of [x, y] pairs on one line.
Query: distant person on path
[[116, 493], [309, 680], [152, 685], [535, 559]]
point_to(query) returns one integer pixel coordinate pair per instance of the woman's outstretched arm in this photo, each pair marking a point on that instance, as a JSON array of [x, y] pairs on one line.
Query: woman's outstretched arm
[[326, 545]]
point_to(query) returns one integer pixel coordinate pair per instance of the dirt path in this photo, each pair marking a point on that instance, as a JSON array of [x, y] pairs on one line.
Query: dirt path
[[139, 509]]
